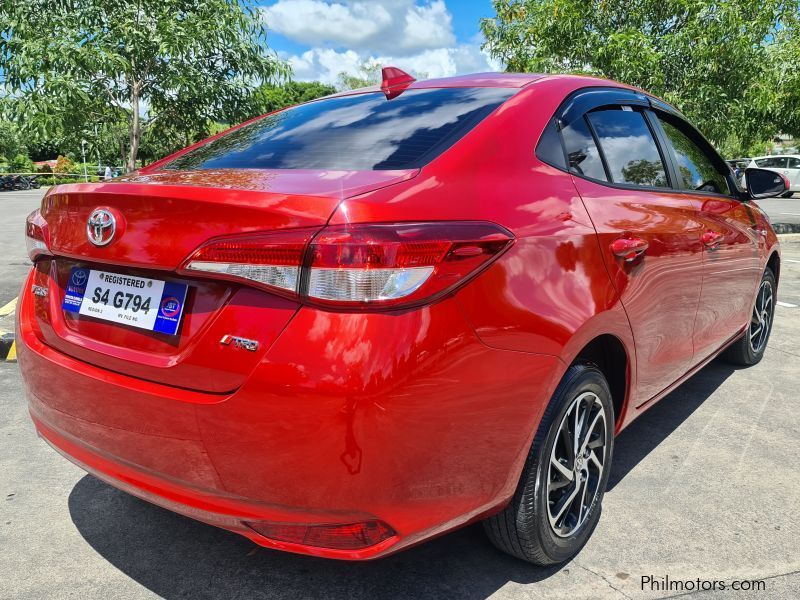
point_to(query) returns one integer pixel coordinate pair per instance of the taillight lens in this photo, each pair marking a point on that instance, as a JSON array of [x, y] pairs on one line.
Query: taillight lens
[[359, 265], [272, 259], [36, 235]]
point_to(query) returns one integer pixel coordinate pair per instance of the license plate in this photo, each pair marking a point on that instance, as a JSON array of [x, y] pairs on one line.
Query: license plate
[[138, 301]]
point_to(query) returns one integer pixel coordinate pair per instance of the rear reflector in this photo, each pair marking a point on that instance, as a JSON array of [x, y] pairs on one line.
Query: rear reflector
[[359, 265], [36, 240], [346, 536]]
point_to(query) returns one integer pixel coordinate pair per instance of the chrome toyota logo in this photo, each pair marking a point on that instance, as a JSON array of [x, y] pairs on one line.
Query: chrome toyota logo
[[100, 227]]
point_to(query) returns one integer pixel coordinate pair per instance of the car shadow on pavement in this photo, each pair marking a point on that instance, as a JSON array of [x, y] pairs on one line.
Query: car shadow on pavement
[[643, 435], [176, 557]]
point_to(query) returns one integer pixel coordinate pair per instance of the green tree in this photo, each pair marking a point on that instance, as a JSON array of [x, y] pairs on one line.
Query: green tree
[[368, 74], [21, 164], [170, 62], [10, 142], [723, 63], [269, 97]]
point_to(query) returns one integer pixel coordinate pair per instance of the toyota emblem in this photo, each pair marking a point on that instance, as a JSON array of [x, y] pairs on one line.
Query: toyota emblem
[[100, 227]]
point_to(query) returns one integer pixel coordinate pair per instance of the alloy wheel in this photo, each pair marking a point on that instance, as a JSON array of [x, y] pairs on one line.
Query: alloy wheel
[[762, 317], [576, 464]]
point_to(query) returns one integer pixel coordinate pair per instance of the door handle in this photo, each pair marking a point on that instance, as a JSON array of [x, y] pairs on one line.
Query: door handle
[[629, 249], [711, 238]]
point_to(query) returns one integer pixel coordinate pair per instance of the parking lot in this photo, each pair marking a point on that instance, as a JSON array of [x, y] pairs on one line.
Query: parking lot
[[706, 486]]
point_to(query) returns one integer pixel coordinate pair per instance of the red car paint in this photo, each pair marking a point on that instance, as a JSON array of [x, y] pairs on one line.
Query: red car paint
[[417, 418]]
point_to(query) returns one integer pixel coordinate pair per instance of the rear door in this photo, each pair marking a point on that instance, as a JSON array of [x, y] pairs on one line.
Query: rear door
[[730, 236], [793, 173], [648, 233]]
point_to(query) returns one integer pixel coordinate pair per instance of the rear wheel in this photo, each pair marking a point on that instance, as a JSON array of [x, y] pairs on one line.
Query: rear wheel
[[749, 349], [557, 502], [787, 194]]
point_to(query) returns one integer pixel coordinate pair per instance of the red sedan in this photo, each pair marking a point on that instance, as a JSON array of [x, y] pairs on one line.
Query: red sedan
[[349, 326]]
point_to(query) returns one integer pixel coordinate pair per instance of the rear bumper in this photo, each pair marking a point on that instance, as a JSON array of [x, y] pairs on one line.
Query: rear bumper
[[405, 418]]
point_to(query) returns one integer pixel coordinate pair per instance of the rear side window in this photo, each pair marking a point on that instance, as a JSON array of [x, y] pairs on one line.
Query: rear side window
[[582, 154], [696, 170], [364, 131], [772, 162], [628, 146]]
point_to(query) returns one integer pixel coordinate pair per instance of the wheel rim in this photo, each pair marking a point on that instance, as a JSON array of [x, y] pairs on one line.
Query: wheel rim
[[762, 317], [577, 462]]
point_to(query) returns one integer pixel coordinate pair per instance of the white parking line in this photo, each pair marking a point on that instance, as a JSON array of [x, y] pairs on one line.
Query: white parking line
[[786, 304], [792, 260], [790, 214]]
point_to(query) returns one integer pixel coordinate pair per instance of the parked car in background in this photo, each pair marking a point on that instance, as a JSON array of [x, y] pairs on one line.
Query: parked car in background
[[355, 324], [786, 164]]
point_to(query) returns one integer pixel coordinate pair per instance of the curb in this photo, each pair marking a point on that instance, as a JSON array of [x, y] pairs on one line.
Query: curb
[[8, 347], [784, 228]]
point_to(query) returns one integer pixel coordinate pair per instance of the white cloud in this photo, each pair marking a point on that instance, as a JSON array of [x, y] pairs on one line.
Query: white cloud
[[325, 64], [314, 22], [415, 35]]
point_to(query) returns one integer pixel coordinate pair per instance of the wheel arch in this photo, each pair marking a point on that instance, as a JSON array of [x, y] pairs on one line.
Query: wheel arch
[[774, 263], [606, 341]]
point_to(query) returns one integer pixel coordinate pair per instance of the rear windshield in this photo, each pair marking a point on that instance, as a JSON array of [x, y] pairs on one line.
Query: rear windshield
[[365, 131]]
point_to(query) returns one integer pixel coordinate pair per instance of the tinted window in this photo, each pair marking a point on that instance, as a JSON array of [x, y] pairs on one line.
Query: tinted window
[[772, 162], [549, 148], [629, 148], [584, 159], [794, 163], [696, 170], [364, 131]]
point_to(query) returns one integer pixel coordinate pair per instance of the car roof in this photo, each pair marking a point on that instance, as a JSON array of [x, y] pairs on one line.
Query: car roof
[[777, 156]]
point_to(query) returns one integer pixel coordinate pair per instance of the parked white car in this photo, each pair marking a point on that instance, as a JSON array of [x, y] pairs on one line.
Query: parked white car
[[787, 164]]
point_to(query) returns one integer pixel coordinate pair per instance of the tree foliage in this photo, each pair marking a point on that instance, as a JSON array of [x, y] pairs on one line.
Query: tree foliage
[[729, 65], [10, 141], [149, 63], [368, 74]]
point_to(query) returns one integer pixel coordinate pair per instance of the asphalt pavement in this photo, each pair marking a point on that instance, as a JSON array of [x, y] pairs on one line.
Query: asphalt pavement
[[706, 485]]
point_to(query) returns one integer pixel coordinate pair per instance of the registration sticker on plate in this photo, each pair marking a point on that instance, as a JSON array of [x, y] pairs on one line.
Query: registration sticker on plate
[[138, 301]]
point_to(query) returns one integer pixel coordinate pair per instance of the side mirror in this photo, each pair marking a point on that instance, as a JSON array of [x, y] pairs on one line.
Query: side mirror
[[762, 183]]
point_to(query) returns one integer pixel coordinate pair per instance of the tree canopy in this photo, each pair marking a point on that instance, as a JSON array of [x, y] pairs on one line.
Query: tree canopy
[[730, 66], [171, 64]]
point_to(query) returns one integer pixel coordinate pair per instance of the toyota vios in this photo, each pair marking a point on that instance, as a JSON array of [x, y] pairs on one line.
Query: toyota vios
[[349, 326]]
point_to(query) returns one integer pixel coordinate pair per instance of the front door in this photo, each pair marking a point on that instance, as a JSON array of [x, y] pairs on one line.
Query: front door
[[730, 239]]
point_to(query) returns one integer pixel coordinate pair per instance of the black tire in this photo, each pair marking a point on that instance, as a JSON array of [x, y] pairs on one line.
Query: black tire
[[743, 352], [787, 194], [523, 529]]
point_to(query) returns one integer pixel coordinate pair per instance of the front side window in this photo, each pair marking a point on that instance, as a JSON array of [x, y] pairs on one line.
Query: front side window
[[584, 158], [359, 132], [794, 163], [696, 170], [629, 148]]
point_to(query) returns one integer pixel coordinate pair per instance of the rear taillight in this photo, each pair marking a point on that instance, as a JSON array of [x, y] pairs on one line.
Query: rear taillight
[[36, 235], [360, 265]]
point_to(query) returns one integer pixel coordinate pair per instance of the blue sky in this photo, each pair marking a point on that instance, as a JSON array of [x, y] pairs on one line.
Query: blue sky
[[322, 38]]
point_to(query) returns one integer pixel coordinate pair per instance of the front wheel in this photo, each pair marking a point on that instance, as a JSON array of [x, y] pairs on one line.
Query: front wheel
[[557, 502], [749, 349]]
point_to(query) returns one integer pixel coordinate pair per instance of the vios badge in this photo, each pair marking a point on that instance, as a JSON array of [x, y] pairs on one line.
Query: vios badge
[[100, 227]]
